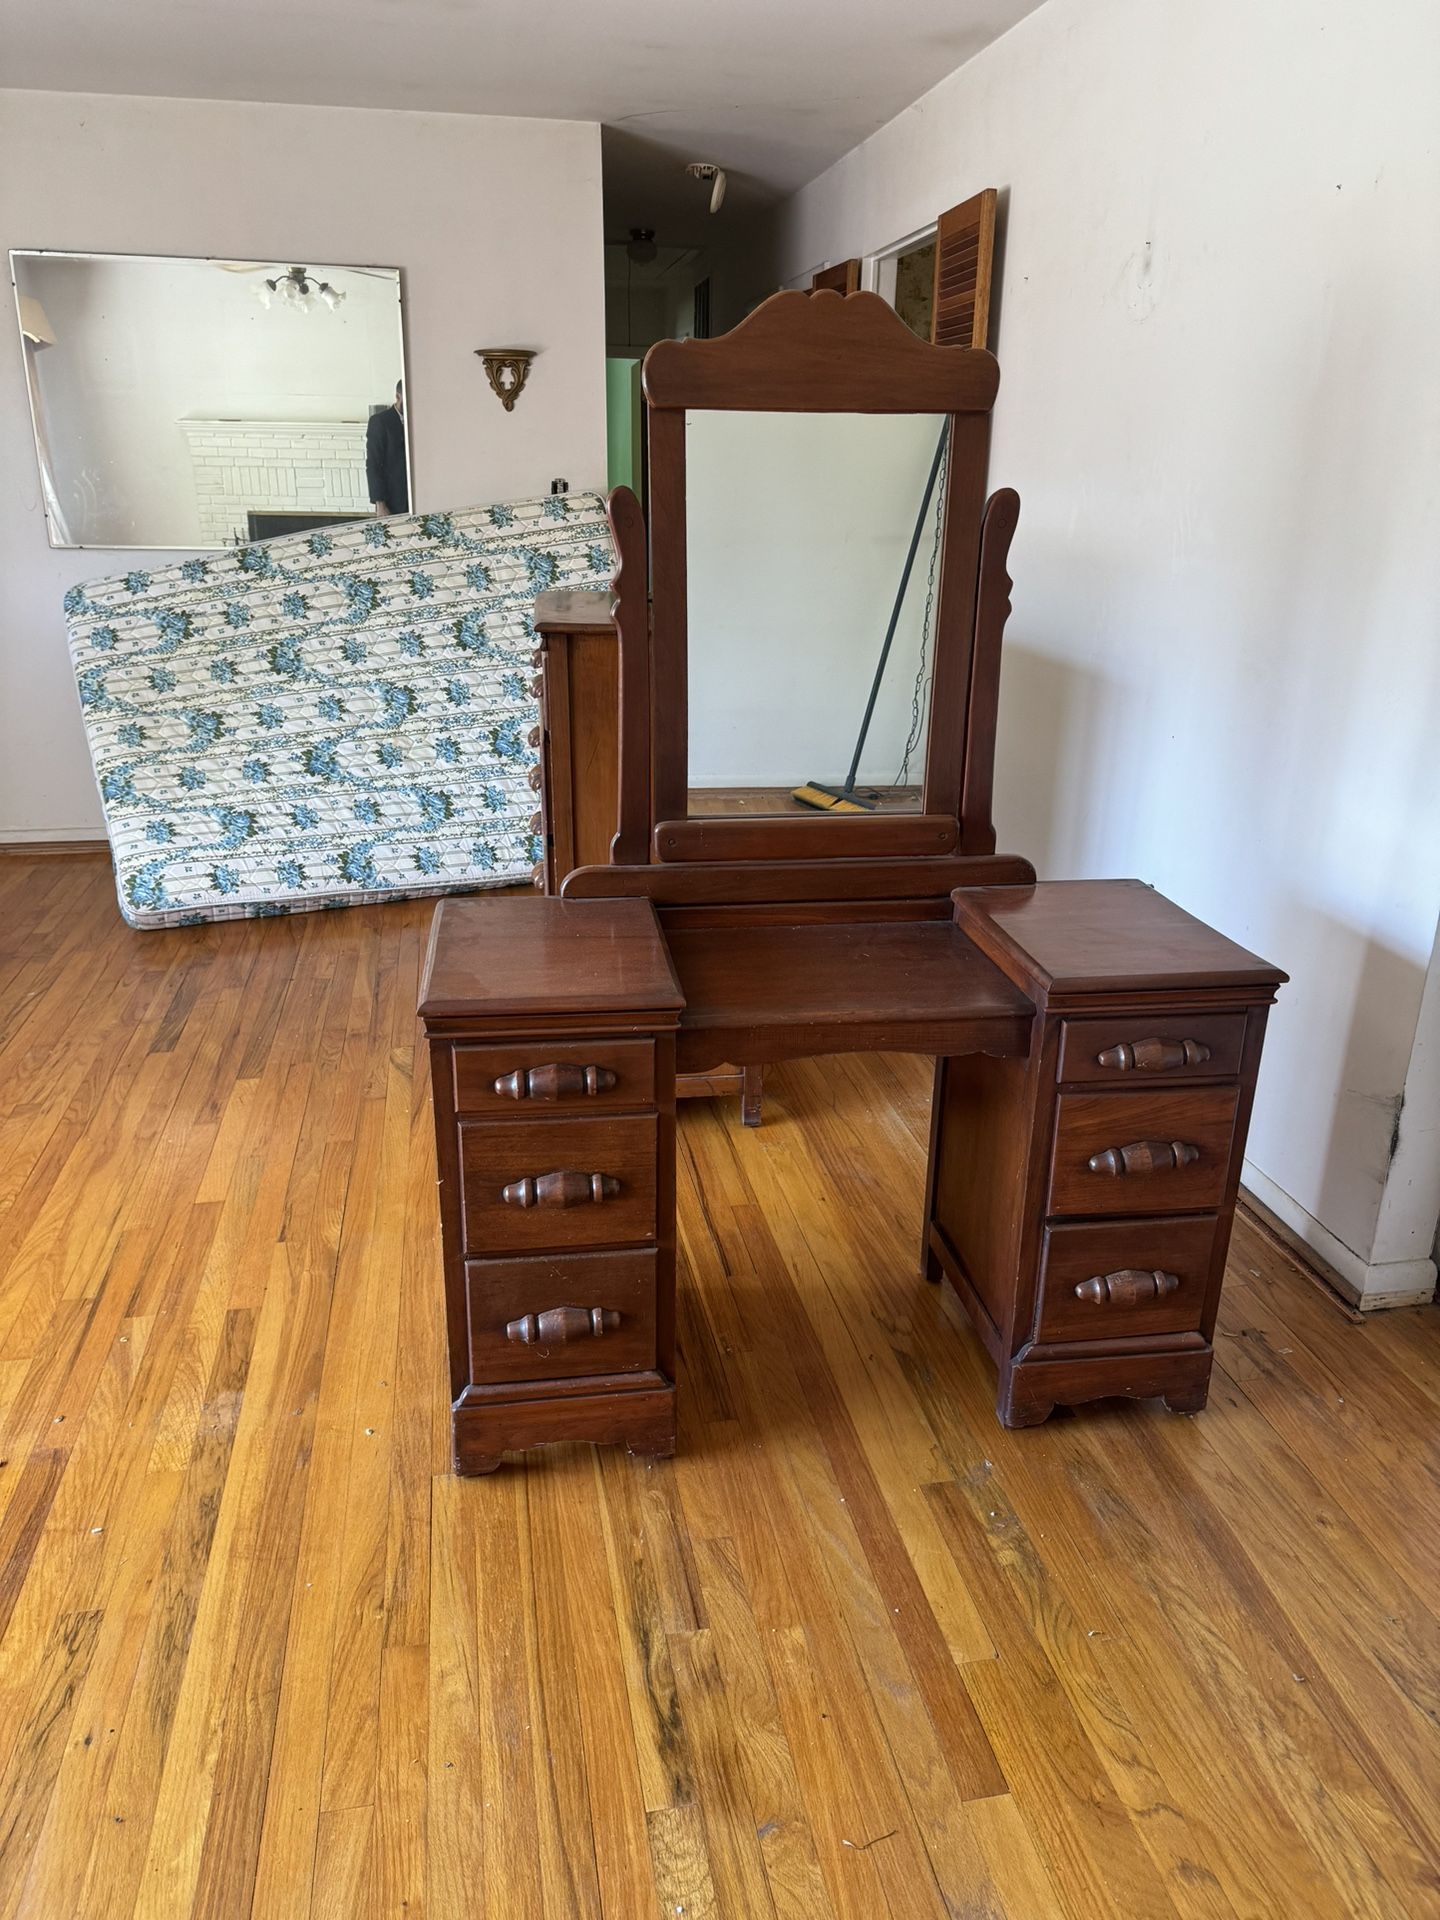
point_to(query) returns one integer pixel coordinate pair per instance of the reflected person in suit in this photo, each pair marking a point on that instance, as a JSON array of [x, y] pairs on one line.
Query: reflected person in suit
[[385, 469]]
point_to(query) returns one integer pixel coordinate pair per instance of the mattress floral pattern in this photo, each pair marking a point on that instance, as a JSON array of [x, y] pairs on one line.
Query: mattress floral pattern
[[327, 718]]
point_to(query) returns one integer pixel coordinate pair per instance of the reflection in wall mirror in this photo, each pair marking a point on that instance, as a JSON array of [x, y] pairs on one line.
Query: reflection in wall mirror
[[196, 403], [798, 531]]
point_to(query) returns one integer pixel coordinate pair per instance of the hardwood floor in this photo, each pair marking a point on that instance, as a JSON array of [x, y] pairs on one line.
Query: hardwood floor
[[855, 1653]]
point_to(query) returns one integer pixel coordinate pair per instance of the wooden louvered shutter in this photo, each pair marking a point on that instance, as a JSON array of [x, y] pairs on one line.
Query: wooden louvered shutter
[[843, 277], [964, 252]]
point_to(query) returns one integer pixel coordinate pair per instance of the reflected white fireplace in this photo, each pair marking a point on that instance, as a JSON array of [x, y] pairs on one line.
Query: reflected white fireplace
[[274, 466]]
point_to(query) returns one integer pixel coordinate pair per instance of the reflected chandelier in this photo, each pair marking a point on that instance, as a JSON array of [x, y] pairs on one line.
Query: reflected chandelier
[[297, 288]]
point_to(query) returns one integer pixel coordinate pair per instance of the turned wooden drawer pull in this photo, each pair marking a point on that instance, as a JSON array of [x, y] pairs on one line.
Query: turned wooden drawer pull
[[533, 737], [535, 776], [1153, 1056], [556, 1325], [1144, 1156], [567, 1187], [1130, 1287], [554, 1082]]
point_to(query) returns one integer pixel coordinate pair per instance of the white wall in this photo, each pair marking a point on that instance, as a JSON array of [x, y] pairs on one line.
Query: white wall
[[495, 224], [1220, 402]]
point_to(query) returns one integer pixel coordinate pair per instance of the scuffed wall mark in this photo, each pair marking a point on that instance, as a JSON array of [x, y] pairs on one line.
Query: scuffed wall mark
[[1143, 280], [1394, 1148]]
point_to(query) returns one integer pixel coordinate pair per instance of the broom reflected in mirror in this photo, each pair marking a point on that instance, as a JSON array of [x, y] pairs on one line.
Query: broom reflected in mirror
[[849, 798]]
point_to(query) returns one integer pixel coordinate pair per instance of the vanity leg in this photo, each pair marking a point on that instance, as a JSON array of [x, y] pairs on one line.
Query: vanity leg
[[1017, 1407], [1189, 1399], [469, 1459], [752, 1095], [1031, 1416]]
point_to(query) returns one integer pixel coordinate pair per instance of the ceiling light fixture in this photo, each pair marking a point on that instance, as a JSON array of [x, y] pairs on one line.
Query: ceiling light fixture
[[296, 287], [641, 247], [707, 170]]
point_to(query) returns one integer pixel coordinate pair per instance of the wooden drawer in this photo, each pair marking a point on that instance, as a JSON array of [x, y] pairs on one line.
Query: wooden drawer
[[520, 1329], [1161, 1152], [1134, 1277], [1140, 1049], [545, 1076], [615, 1157]]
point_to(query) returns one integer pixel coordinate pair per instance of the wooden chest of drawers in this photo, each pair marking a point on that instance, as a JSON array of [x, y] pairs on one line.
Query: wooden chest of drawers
[[1116, 1145], [554, 1090]]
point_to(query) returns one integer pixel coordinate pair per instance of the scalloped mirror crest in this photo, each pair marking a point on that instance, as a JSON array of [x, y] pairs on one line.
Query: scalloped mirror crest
[[821, 352]]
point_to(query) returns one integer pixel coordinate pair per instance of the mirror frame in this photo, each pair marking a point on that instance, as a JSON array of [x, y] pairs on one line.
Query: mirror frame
[[816, 353]]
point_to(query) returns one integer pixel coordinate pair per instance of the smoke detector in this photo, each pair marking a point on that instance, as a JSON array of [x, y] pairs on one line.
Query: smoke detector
[[707, 170]]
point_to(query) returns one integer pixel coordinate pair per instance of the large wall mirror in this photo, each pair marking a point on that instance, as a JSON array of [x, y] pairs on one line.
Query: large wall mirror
[[801, 531], [199, 403]]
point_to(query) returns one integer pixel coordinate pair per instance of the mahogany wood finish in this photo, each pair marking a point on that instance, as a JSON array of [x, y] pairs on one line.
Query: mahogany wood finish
[[816, 353], [1097, 1047], [777, 883], [534, 1318], [569, 1188], [519, 987], [604, 1075], [1088, 1289], [1170, 1052], [802, 836], [556, 1325], [1153, 1055], [557, 1183], [579, 766], [992, 610], [778, 992], [632, 629], [551, 1080], [823, 353], [523, 959], [1046, 1274], [1130, 1287]]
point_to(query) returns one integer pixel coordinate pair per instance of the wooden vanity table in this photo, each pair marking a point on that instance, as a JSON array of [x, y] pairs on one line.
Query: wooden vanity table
[[1096, 1047]]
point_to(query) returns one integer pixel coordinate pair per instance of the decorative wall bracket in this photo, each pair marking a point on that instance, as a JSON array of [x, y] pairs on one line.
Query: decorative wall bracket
[[507, 369]]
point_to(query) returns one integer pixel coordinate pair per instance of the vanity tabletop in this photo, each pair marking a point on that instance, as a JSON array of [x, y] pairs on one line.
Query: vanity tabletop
[[832, 974], [515, 954], [1085, 936]]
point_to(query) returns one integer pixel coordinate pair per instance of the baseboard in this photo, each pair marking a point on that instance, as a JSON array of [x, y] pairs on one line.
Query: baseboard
[[1392, 1283], [52, 840]]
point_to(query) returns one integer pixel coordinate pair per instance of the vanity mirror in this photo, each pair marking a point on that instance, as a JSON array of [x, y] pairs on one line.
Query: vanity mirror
[[811, 539], [199, 402], [795, 490]]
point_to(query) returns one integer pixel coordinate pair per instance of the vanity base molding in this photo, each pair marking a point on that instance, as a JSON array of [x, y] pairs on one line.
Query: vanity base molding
[[640, 1416]]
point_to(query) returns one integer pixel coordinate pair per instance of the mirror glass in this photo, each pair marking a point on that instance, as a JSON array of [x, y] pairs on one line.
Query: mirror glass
[[199, 403], [798, 527]]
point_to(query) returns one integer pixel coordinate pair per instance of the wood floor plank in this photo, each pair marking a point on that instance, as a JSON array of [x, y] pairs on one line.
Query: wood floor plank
[[855, 1654]]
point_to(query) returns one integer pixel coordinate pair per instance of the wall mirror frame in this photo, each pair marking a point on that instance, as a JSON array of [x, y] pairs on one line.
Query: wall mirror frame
[[825, 353], [191, 402]]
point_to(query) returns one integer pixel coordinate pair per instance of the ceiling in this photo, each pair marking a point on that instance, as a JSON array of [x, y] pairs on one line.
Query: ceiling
[[774, 90]]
